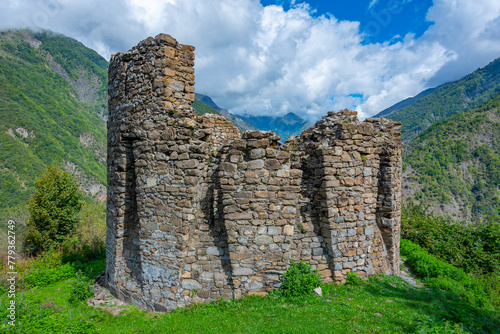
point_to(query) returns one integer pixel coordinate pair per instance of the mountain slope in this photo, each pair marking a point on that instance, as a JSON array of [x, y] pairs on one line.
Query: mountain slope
[[454, 165], [448, 99], [201, 108], [207, 100], [285, 126], [405, 103], [53, 98]]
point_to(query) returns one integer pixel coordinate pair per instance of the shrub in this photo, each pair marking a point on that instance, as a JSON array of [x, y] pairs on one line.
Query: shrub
[[53, 209], [474, 248], [45, 276], [353, 279], [300, 279], [82, 288], [441, 275]]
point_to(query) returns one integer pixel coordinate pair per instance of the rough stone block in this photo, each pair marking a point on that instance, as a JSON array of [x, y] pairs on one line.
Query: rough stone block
[[257, 153], [263, 240], [191, 284], [151, 182], [242, 271], [256, 164], [288, 230], [214, 251], [272, 230]]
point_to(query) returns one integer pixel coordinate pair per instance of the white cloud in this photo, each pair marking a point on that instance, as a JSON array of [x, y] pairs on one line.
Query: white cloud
[[259, 60], [467, 28], [372, 4]]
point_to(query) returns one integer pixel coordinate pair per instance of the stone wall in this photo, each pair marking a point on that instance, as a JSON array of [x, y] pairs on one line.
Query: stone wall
[[197, 211]]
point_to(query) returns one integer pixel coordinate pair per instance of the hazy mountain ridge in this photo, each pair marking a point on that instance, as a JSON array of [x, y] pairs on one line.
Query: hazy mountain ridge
[[405, 103], [207, 100], [284, 126], [449, 99], [54, 97]]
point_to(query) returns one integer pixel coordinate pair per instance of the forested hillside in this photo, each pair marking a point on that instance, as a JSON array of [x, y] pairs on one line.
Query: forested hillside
[[201, 108], [454, 166], [53, 101], [449, 99]]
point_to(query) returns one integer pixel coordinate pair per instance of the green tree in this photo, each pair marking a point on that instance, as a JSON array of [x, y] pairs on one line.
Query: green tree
[[53, 210]]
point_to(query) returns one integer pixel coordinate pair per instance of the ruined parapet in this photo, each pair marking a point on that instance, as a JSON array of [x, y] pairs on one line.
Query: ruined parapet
[[260, 193], [350, 203], [197, 211]]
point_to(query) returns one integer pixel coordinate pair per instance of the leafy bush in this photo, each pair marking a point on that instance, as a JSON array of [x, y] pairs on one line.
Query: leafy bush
[[475, 248], [353, 279], [441, 275], [82, 288], [53, 209], [300, 279], [45, 276]]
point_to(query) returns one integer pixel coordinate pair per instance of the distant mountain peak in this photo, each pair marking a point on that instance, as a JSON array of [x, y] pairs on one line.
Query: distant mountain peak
[[284, 126]]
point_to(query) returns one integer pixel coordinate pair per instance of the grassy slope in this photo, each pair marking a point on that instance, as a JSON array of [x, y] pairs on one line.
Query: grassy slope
[[38, 99], [454, 165], [384, 305], [449, 99]]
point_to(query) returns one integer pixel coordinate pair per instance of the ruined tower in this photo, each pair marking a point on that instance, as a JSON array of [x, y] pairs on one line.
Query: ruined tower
[[197, 211]]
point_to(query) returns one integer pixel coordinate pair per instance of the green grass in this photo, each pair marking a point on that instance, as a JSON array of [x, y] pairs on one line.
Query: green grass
[[379, 305]]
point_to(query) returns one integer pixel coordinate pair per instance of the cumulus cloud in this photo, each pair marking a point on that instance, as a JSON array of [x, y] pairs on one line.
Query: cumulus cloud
[[468, 29], [264, 60]]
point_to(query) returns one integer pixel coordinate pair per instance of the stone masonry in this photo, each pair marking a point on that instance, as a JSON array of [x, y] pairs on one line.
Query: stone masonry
[[196, 211]]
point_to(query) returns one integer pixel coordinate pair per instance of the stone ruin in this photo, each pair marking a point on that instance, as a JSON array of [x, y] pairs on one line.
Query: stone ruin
[[198, 211]]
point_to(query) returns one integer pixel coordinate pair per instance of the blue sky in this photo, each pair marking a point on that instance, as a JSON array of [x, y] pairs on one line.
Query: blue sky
[[271, 57], [380, 20]]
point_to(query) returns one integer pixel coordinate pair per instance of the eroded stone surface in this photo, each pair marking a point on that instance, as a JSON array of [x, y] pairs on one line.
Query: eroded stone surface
[[197, 211]]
